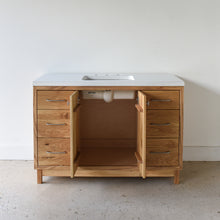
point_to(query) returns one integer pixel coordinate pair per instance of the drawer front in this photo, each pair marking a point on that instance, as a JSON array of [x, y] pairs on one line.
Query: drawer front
[[162, 123], [53, 99], [162, 152], [53, 123], [163, 99], [53, 151]]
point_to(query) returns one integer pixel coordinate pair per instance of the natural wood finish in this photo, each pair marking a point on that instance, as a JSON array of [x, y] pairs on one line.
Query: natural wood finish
[[53, 117], [177, 177], [141, 133], [117, 138], [76, 108], [107, 171], [107, 156], [156, 123], [181, 127], [162, 152], [97, 142], [101, 120], [95, 171], [53, 151], [163, 99], [39, 176], [160, 172], [163, 168], [35, 127], [139, 108], [74, 137], [144, 88], [57, 171], [138, 157], [43, 96]]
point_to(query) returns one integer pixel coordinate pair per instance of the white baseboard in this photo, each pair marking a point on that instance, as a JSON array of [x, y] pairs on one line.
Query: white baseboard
[[201, 153], [194, 153], [16, 153]]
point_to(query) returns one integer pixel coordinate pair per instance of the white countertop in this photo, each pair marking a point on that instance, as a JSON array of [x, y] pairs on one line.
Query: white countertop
[[141, 79]]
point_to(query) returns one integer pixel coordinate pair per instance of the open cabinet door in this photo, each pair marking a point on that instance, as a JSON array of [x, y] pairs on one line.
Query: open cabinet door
[[141, 133], [74, 133]]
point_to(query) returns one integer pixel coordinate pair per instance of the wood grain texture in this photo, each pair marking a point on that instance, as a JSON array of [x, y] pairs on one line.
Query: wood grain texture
[[95, 171], [53, 151], [97, 142], [53, 99], [161, 172], [57, 171], [74, 134], [157, 120], [181, 127], [107, 156], [59, 117], [162, 152], [141, 133], [138, 157], [35, 127], [107, 171], [138, 107], [39, 177], [177, 177], [163, 99], [101, 120], [118, 169]]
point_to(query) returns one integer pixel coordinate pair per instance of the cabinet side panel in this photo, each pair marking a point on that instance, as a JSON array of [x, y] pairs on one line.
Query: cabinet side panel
[[181, 127], [35, 126]]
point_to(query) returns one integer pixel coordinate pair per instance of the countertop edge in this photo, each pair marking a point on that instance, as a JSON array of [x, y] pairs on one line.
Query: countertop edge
[[107, 85]]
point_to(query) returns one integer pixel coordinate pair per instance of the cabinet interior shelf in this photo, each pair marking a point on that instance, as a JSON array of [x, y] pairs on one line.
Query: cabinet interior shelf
[[107, 156]]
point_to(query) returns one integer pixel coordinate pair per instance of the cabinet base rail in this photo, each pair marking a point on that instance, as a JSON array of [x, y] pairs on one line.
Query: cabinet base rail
[[108, 171]]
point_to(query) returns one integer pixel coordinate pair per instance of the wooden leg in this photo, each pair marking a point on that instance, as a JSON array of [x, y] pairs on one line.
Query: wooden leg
[[39, 176], [177, 177]]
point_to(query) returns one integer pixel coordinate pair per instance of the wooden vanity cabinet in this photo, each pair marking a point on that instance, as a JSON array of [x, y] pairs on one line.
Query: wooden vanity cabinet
[[141, 137]]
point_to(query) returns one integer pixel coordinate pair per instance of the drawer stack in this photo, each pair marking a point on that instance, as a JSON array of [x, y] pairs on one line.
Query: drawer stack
[[163, 128], [53, 130]]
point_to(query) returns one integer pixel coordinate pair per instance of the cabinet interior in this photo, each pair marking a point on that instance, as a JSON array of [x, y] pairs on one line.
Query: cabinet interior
[[108, 132]]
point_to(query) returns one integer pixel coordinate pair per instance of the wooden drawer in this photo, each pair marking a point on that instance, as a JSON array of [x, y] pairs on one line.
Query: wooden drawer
[[162, 152], [162, 123], [163, 99], [53, 123], [53, 99], [53, 151]]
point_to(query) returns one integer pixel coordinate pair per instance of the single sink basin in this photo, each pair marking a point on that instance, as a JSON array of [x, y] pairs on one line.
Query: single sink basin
[[108, 77]]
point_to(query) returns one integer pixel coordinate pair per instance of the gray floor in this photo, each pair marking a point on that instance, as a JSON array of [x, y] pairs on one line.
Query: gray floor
[[196, 197]]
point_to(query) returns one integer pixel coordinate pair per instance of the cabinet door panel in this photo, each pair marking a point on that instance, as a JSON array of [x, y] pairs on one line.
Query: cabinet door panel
[[74, 133], [141, 133]]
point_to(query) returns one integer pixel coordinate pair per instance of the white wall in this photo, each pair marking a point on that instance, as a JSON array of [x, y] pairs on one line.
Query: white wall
[[172, 36]]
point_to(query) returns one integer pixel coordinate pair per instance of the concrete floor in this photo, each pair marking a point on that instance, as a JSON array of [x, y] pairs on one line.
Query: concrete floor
[[196, 197]]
